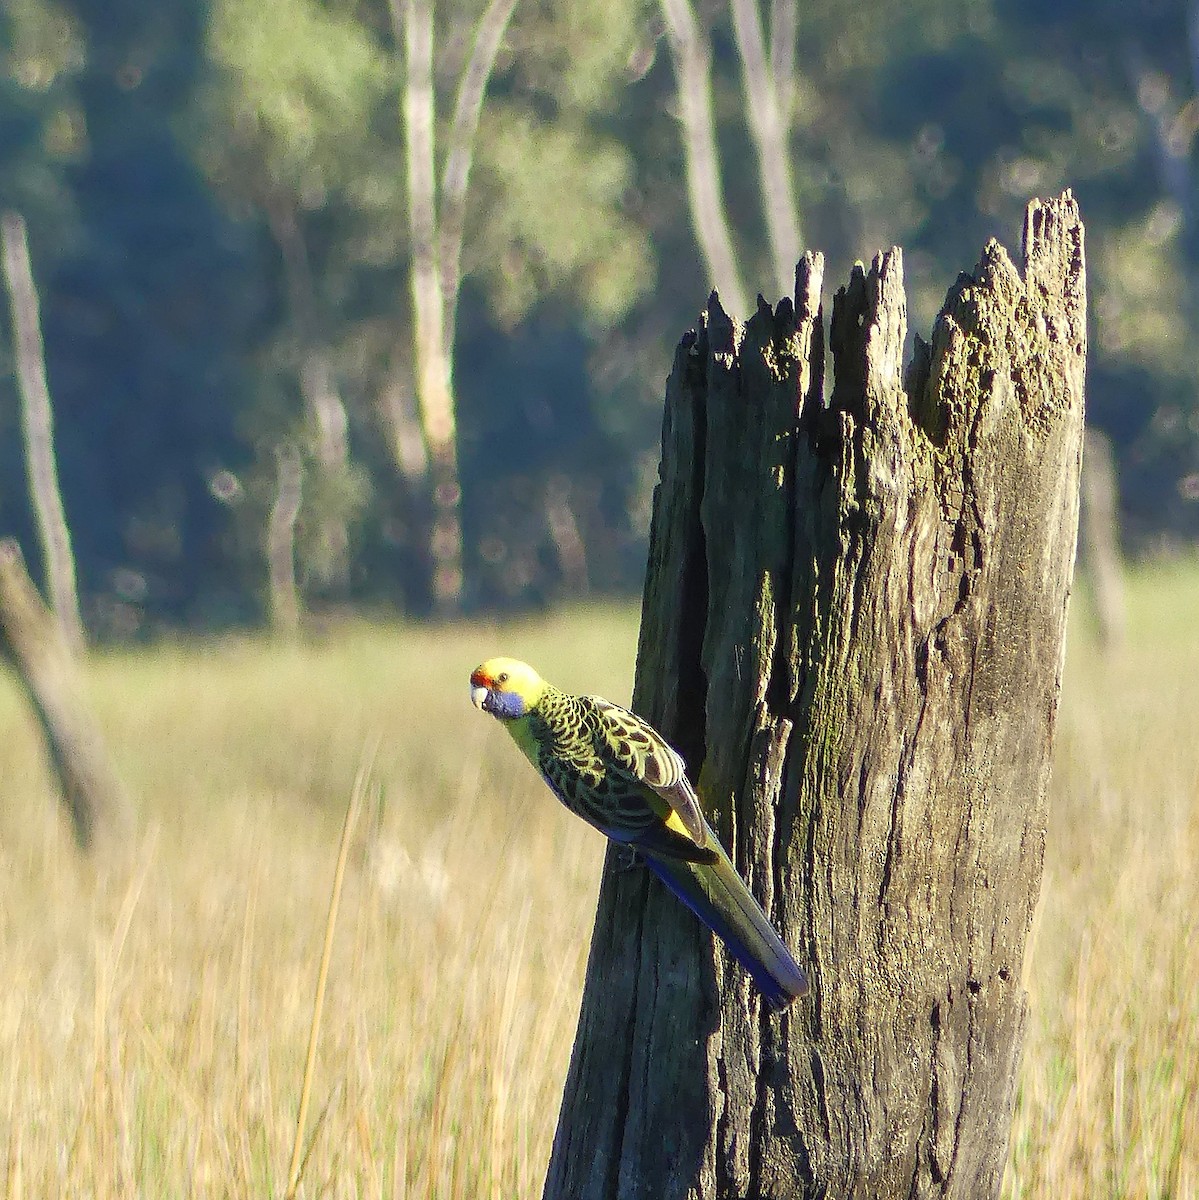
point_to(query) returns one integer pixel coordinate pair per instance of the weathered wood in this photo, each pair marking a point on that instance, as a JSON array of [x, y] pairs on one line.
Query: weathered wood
[[852, 628], [33, 643]]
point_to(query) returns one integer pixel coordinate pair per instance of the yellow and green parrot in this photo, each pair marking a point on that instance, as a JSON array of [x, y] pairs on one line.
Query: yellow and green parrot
[[617, 773]]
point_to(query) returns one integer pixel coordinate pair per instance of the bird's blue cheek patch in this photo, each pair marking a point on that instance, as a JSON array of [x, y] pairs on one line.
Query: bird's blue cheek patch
[[506, 705]]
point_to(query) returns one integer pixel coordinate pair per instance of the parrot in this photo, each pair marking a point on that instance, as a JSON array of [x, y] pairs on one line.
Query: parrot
[[608, 766]]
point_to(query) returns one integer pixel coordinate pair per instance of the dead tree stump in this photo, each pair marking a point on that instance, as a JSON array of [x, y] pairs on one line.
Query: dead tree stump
[[853, 629], [31, 640]]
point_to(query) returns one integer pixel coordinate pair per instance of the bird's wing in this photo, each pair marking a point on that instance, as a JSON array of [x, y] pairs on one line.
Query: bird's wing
[[638, 749]]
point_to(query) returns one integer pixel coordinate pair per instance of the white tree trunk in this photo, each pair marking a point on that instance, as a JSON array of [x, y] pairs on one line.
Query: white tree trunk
[[565, 534], [31, 639], [408, 449], [769, 129], [37, 423], [322, 400], [1100, 531], [784, 32], [459, 156], [708, 215], [414, 21], [281, 542]]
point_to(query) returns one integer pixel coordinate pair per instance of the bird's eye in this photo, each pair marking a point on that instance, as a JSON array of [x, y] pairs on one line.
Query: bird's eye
[[503, 678]]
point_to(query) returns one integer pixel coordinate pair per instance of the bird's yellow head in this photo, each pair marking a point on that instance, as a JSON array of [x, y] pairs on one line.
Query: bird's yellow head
[[505, 687]]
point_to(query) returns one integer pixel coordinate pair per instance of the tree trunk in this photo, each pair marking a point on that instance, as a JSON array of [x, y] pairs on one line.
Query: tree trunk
[[784, 37], [37, 423], [459, 156], [1100, 535], [852, 629], [33, 643], [692, 69], [565, 534], [434, 382], [764, 114], [323, 402], [281, 542], [435, 227]]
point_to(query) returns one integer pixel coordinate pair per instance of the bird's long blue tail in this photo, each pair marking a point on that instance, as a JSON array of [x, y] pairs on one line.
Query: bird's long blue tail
[[718, 896]]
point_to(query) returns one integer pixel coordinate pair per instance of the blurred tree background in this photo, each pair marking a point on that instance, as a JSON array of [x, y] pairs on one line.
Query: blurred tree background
[[228, 254]]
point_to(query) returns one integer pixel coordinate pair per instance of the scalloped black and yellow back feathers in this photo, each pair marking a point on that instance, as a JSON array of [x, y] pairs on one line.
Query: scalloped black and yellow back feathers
[[619, 774]]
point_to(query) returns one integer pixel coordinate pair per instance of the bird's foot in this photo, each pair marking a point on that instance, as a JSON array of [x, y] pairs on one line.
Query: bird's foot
[[626, 859]]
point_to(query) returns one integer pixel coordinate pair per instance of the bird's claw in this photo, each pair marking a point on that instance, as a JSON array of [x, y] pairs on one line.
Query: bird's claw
[[626, 859]]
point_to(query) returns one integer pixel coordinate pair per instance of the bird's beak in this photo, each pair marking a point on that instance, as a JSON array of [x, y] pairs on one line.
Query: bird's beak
[[478, 696]]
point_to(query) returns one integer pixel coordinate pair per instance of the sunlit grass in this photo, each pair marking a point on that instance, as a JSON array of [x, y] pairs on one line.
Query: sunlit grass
[[154, 1019], [1109, 1092], [153, 1023]]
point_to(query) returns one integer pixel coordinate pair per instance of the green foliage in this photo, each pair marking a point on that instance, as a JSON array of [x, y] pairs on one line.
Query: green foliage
[[39, 121], [550, 207], [548, 210], [215, 189], [300, 84], [577, 51]]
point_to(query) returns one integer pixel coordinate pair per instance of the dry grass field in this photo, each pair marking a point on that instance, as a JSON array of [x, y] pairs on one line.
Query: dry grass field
[[1109, 1088], [154, 1017]]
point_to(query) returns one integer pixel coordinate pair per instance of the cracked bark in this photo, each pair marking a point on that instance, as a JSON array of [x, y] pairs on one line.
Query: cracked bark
[[852, 628]]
